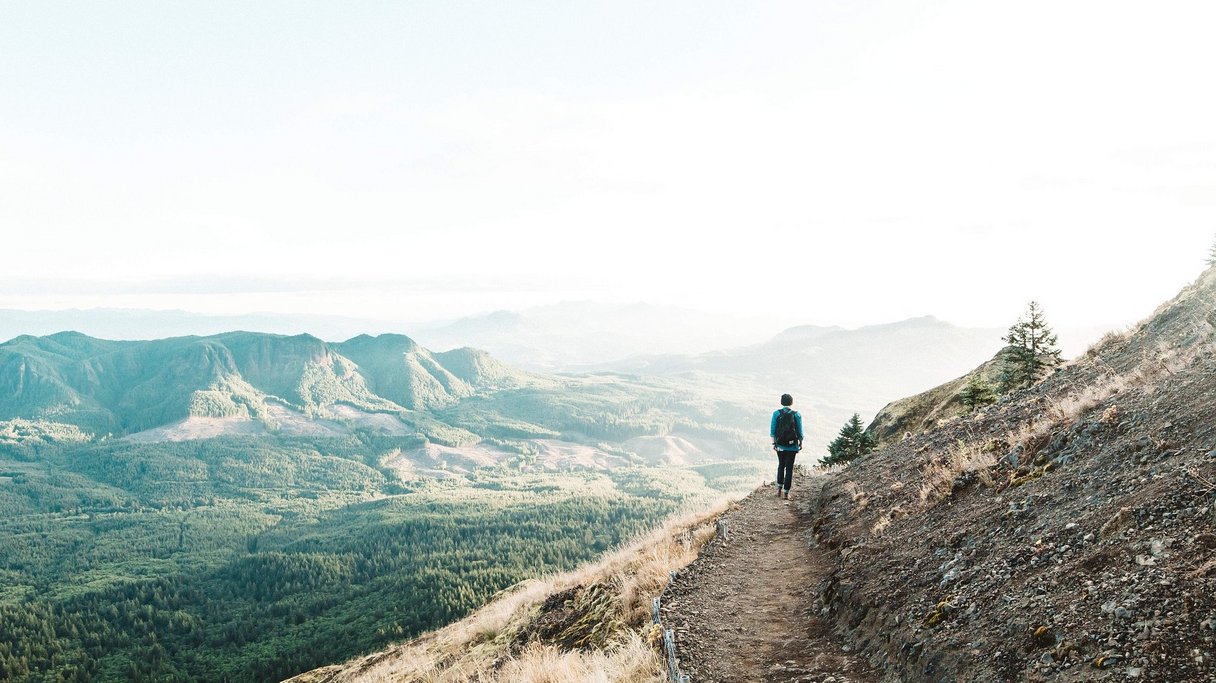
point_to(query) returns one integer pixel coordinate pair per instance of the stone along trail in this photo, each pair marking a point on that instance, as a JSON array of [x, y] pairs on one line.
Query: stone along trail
[[747, 609]]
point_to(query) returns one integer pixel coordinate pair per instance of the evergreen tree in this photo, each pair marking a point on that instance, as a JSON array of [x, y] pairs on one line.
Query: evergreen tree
[[852, 443], [1031, 350], [976, 393], [1212, 254]]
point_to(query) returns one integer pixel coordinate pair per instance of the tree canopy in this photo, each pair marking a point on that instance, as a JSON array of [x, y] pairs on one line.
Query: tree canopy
[[256, 558], [852, 443], [1032, 351], [977, 392]]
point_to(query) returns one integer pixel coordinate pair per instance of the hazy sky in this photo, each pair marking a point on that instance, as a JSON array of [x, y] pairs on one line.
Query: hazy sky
[[874, 160]]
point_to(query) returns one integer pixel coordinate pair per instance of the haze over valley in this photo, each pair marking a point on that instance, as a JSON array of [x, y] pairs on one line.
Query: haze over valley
[[432, 342]]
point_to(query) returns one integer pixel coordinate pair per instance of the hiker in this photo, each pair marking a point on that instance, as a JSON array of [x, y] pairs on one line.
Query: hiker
[[786, 431]]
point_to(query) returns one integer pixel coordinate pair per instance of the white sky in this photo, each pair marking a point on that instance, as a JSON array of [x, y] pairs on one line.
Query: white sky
[[879, 160]]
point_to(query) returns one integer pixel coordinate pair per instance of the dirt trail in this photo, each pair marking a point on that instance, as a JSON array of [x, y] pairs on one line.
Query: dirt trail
[[747, 609]]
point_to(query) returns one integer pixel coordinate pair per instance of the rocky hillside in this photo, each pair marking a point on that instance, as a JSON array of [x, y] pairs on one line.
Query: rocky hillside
[[1064, 533], [123, 387], [930, 409]]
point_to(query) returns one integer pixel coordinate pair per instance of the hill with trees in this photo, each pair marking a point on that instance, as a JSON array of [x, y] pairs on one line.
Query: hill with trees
[[1030, 352], [244, 383], [123, 387]]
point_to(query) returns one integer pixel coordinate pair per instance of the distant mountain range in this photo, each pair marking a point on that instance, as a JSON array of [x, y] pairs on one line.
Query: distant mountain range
[[238, 381], [69, 387], [576, 335], [834, 372], [558, 337], [566, 337], [124, 387], [139, 323]]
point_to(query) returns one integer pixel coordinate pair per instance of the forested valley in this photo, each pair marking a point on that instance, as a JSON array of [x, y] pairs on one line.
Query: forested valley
[[251, 559]]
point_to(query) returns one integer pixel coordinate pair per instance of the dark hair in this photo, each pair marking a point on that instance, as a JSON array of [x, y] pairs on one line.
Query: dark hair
[[787, 400]]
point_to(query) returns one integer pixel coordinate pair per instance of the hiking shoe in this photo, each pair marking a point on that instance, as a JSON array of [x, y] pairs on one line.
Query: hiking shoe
[[787, 495]]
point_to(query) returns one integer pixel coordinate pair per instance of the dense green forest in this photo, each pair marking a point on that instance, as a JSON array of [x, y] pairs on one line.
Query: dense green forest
[[252, 559]]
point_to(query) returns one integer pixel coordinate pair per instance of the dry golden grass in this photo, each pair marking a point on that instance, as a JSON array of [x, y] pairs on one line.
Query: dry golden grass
[[1107, 341], [830, 469], [940, 475], [860, 498], [885, 520], [477, 648], [946, 468], [631, 660]]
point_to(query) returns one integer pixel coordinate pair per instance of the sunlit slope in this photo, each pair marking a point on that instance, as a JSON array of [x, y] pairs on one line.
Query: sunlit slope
[[244, 383], [125, 387]]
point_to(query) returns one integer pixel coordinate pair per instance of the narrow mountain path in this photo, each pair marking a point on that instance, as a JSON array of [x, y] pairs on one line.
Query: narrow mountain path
[[746, 610]]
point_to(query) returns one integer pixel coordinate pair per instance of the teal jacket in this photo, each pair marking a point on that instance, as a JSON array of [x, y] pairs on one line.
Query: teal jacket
[[772, 430]]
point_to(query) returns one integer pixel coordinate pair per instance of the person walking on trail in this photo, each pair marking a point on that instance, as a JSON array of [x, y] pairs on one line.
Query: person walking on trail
[[786, 431]]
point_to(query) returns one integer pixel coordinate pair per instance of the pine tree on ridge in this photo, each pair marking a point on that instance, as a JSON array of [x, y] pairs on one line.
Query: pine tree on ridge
[[1032, 350]]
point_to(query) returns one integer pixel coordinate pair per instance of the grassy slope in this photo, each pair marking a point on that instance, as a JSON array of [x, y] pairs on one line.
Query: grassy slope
[[590, 624], [929, 409]]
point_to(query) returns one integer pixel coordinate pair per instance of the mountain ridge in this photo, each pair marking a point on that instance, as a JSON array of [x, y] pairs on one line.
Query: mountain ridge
[[124, 387]]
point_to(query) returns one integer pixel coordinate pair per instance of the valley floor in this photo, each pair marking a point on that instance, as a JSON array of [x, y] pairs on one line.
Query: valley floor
[[746, 610]]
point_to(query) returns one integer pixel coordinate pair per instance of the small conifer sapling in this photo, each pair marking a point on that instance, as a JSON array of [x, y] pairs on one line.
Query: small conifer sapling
[[852, 443], [1031, 351], [977, 393]]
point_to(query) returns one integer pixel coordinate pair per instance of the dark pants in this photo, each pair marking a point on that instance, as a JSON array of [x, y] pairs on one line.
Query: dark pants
[[785, 469]]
